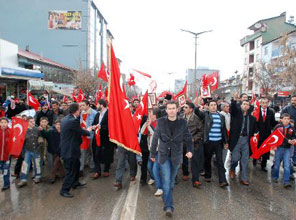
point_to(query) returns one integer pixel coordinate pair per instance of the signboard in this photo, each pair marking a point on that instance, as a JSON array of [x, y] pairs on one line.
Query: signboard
[[283, 93], [64, 20], [182, 100], [205, 92]]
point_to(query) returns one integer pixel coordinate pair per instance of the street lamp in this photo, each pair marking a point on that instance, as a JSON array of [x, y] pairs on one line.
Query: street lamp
[[195, 70], [170, 80]]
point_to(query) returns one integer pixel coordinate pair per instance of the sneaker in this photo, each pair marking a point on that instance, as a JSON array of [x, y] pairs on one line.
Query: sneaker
[[36, 180], [196, 184], [168, 213], [287, 185], [275, 180], [5, 188], [159, 192], [151, 182], [185, 178], [21, 184], [117, 185]]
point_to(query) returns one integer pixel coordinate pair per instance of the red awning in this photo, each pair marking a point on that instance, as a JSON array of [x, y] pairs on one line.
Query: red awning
[[283, 93]]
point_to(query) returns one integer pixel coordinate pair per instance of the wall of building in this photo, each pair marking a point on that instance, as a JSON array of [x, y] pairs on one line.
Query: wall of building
[[8, 54]]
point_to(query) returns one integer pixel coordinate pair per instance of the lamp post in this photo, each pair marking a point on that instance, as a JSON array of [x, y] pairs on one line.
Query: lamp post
[[170, 81], [195, 70]]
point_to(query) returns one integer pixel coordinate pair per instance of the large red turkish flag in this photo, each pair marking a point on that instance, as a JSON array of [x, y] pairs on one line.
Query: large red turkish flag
[[140, 112], [32, 101], [121, 127], [274, 140], [98, 137], [102, 73], [85, 140], [17, 136], [213, 81]]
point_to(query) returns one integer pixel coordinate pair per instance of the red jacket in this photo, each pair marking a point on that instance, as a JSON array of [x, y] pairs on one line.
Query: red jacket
[[4, 139]]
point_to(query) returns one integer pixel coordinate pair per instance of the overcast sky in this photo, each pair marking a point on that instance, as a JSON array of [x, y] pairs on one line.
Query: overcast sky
[[148, 37]]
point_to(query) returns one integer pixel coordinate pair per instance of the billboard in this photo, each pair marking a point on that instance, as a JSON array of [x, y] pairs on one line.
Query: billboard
[[64, 20]]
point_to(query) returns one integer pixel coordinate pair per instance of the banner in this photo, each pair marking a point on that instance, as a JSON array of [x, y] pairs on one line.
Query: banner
[[64, 20]]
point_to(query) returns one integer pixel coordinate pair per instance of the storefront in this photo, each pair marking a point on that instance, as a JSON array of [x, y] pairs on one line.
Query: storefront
[[13, 81]]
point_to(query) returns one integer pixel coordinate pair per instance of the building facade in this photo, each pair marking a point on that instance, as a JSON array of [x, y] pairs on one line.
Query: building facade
[[179, 85], [70, 32], [260, 47]]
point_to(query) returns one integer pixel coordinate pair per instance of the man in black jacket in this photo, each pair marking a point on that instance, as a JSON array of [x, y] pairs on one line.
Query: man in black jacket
[[170, 134], [242, 128], [215, 138], [265, 125], [70, 142]]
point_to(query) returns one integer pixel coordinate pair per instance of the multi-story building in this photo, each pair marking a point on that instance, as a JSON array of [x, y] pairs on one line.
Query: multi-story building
[[258, 47], [179, 85], [229, 86], [70, 32], [199, 72]]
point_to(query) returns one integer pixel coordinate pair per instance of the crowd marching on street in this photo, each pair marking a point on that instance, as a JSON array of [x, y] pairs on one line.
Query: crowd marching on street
[[62, 138]]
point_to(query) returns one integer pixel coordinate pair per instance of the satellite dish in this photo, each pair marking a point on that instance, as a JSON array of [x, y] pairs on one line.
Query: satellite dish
[[258, 25]]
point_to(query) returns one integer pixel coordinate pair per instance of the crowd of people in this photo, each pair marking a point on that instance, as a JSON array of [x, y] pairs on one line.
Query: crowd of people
[[170, 136]]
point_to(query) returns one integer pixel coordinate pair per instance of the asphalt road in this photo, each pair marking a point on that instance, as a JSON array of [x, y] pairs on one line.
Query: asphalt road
[[99, 200]]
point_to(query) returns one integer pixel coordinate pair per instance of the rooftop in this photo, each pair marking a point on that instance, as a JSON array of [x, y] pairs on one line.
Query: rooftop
[[36, 57]]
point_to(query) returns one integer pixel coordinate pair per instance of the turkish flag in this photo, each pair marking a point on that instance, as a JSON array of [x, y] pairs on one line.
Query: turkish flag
[[65, 99], [182, 95], [256, 111], [106, 94], [102, 73], [131, 80], [274, 140], [213, 81], [99, 94], [85, 140], [73, 96], [32, 101], [254, 143], [253, 98], [17, 138], [98, 137], [140, 112], [121, 128], [80, 96]]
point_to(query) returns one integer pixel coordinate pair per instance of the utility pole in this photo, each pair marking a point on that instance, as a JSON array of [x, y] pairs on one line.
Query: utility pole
[[194, 87], [170, 81]]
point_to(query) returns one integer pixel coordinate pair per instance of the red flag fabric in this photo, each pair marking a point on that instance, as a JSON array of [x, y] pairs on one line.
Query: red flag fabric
[[213, 81], [106, 94], [102, 73], [99, 94], [142, 73], [182, 95], [140, 112], [80, 96], [85, 140], [74, 96], [254, 143], [98, 137], [131, 80], [274, 140], [18, 132], [32, 101], [253, 98], [121, 128], [65, 99], [256, 111]]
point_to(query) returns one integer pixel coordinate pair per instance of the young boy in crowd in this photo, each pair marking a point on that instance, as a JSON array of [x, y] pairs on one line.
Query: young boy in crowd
[[32, 146], [283, 152], [45, 152], [4, 152]]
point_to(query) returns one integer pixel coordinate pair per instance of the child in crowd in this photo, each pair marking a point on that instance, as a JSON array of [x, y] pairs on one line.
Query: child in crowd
[[45, 152], [32, 147], [4, 152], [54, 146], [283, 152]]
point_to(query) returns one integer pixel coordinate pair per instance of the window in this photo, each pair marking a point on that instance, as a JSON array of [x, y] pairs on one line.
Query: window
[[266, 51], [251, 58], [252, 45]]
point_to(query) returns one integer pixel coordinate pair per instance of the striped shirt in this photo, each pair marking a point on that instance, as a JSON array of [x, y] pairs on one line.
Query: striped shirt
[[216, 129]]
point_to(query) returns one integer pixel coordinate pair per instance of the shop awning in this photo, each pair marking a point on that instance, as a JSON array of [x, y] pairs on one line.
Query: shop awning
[[21, 72], [35, 85], [48, 86]]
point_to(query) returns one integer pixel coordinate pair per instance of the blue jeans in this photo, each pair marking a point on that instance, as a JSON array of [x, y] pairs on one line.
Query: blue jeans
[[168, 176], [5, 167], [154, 172], [282, 154], [35, 157]]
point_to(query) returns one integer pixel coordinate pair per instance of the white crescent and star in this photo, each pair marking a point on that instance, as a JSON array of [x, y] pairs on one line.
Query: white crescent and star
[[20, 127], [97, 131], [31, 100], [276, 138], [139, 117], [127, 104], [215, 81]]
